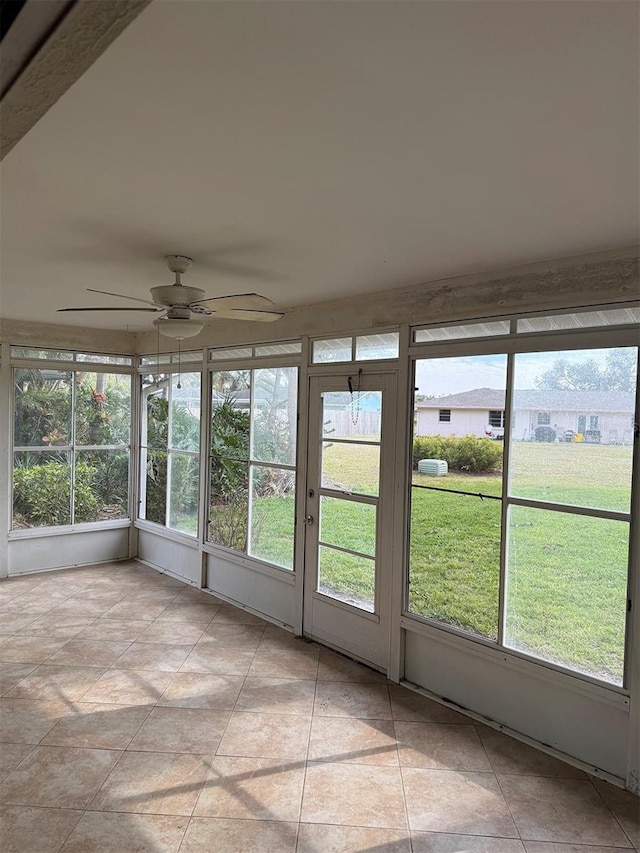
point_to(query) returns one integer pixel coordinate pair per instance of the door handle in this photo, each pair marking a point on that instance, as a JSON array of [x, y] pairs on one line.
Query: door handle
[[308, 519]]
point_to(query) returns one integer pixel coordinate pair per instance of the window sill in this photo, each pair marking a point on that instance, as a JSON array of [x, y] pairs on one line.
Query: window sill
[[65, 530], [167, 533]]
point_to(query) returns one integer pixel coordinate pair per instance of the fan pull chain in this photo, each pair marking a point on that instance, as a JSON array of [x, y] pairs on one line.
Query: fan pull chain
[[179, 386], [355, 412]]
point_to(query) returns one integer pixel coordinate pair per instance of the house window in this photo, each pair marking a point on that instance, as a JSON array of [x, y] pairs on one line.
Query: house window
[[252, 462], [496, 418], [170, 450], [593, 421], [543, 418], [444, 416], [71, 446]]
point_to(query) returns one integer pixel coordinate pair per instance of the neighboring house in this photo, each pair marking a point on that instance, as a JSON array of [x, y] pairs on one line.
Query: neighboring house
[[600, 417]]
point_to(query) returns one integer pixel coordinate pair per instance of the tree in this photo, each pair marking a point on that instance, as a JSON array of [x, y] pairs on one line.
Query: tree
[[618, 373]]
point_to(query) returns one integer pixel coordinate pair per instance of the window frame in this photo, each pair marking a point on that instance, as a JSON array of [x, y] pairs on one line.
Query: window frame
[[510, 345], [444, 416]]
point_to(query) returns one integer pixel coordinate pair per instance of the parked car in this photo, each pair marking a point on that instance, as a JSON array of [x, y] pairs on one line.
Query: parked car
[[494, 432]]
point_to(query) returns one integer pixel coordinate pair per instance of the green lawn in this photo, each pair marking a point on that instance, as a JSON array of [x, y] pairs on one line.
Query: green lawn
[[566, 589]]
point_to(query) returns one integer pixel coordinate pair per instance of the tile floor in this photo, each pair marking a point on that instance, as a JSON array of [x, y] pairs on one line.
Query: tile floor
[[138, 714]]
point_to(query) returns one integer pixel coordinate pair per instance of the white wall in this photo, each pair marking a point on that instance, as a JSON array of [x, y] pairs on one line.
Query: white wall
[[463, 422]]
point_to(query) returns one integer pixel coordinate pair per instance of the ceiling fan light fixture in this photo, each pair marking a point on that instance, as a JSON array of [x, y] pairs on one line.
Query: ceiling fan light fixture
[[178, 328]]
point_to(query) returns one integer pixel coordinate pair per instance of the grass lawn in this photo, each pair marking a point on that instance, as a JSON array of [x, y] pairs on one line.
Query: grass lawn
[[566, 588]]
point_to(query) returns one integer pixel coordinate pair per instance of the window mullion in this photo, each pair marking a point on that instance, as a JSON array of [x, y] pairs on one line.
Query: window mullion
[[72, 473], [504, 526]]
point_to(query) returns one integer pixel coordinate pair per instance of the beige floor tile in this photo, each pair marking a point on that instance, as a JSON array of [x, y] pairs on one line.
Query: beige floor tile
[[105, 832], [60, 777], [120, 630], [448, 801], [277, 695], [100, 595], [61, 626], [236, 636], [508, 755], [209, 657], [202, 690], [552, 847], [187, 613], [294, 663], [342, 699], [79, 607], [183, 633], [321, 838], [21, 649], [29, 720], [212, 835], [11, 623], [191, 595], [440, 746], [98, 726], [11, 754], [12, 674], [436, 842], [409, 706], [32, 830], [562, 810], [157, 657], [353, 741], [333, 667], [238, 616], [625, 806], [28, 606], [153, 783], [252, 788], [181, 730], [353, 795], [134, 609], [56, 682], [128, 687], [283, 736], [89, 652]]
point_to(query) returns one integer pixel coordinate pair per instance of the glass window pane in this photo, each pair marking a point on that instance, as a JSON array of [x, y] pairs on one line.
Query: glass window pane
[[235, 352], [185, 412], [155, 406], [348, 524], [356, 416], [50, 354], [101, 485], [275, 415], [293, 347], [41, 489], [370, 347], [466, 330], [580, 320], [572, 427], [230, 415], [103, 408], [42, 408], [184, 481], [335, 349], [454, 560], [272, 515], [458, 408], [567, 590], [155, 474], [100, 358], [351, 467], [229, 502], [347, 578]]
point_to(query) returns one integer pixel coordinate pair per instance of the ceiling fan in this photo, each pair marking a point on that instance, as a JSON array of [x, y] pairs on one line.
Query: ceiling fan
[[177, 304]]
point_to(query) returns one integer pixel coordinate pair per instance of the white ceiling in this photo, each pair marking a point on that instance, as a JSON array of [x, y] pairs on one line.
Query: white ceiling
[[312, 150]]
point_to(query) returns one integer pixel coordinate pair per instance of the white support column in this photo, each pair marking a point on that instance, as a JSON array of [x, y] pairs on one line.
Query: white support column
[[6, 408], [633, 625]]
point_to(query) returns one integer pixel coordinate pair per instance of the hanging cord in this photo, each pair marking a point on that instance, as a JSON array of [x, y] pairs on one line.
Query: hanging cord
[[157, 375], [355, 411], [179, 386]]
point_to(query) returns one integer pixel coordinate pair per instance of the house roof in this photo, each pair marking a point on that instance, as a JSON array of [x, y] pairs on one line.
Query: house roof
[[579, 401]]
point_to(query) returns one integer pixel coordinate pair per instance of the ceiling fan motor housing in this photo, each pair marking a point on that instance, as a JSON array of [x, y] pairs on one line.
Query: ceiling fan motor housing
[[176, 294]]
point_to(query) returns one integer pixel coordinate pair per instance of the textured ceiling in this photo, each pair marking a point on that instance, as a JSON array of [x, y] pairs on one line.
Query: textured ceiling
[[314, 150]]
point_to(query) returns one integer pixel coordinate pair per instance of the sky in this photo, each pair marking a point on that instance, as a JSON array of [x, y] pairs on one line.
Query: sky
[[441, 376]]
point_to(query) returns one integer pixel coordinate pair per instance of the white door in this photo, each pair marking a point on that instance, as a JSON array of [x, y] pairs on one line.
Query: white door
[[348, 543]]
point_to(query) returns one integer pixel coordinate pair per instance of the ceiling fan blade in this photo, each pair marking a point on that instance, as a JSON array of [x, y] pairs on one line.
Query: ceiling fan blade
[[152, 310], [248, 314], [239, 300], [121, 296]]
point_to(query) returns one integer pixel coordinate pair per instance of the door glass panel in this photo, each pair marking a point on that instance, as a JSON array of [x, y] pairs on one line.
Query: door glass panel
[[567, 589], [356, 417], [572, 427], [349, 467], [348, 524], [347, 577]]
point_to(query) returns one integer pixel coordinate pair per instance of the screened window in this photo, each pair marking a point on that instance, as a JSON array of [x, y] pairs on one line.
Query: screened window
[[444, 416], [71, 446], [252, 462], [170, 450]]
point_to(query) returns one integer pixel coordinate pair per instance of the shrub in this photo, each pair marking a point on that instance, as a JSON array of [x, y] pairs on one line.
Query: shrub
[[468, 453], [41, 493]]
